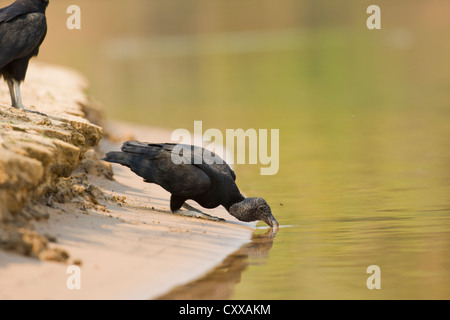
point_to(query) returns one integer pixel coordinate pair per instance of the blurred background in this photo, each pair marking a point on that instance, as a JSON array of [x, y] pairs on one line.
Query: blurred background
[[363, 116]]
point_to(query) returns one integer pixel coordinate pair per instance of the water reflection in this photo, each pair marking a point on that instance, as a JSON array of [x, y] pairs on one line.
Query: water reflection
[[219, 283]]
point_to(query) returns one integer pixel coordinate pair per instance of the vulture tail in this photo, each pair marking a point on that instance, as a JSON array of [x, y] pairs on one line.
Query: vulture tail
[[122, 158]]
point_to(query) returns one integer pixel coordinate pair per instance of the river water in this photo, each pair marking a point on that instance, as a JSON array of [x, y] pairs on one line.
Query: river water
[[377, 194], [363, 118]]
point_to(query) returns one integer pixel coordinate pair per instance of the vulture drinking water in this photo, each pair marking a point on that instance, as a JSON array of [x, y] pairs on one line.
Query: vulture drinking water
[[200, 176]]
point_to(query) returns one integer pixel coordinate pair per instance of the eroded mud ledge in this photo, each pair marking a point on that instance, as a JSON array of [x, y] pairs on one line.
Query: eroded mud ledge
[[39, 152]]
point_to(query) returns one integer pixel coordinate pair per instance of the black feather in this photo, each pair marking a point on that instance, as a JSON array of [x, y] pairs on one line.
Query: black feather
[[210, 185]]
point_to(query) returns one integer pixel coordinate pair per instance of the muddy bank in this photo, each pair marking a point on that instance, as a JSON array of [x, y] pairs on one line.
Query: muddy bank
[[38, 152], [121, 234]]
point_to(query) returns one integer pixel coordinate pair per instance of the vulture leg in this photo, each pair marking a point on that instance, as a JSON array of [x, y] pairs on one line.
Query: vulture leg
[[12, 93], [16, 97], [195, 213], [18, 101]]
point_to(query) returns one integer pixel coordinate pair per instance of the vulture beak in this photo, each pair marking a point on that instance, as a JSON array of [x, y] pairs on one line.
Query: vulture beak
[[271, 221]]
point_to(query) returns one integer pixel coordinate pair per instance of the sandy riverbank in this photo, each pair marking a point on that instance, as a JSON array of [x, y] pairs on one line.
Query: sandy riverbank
[[120, 233]]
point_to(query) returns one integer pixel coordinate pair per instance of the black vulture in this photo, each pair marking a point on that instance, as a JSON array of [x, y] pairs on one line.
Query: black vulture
[[201, 176], [23, 27]]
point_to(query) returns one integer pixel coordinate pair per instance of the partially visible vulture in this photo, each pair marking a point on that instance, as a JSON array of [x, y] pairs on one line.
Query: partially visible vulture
[[23, 27]]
